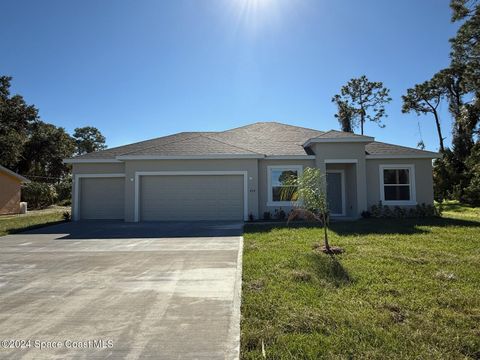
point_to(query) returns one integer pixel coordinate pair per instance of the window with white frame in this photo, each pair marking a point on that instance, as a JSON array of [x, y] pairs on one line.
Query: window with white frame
[[279, 178], [397, 184]]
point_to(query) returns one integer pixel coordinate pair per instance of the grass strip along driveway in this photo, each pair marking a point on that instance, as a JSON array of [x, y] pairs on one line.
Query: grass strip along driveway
[[406, 288], [10, 224]]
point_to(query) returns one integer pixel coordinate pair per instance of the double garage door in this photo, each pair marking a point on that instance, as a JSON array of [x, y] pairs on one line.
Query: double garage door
[[191, 197], [166, 198]]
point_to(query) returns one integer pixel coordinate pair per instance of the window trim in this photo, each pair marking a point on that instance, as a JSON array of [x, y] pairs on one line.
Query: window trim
[[270, 202], [412, 188]]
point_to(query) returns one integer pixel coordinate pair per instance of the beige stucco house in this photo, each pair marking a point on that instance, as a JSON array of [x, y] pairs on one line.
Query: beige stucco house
[[231, 174], [10, 191]]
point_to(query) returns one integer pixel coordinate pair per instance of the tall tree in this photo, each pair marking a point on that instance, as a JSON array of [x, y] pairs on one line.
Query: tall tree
[[44, 152], [466, 43], [465, 68], [423, 99], [16, 118], [366, 98], [88, 139], [346, 116]]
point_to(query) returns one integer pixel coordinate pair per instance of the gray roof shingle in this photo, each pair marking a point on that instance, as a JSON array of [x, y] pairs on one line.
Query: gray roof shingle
[[335, 134], [198, 145], [380, 148], [262, 138]]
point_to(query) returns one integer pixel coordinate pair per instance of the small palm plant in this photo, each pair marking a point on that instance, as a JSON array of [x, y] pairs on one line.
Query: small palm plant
[[309, 198]]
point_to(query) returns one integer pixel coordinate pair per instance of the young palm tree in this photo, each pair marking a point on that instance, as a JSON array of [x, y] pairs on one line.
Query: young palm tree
[[309, 198]]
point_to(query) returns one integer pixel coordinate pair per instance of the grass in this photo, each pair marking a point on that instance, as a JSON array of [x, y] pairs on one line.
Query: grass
[[10, 224], [403, 289]]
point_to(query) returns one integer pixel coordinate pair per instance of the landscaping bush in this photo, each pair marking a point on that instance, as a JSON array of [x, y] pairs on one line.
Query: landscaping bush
[[280, 214], [67, 216], [366, 214], [64, 191], [39, 195], [419, 211], [267, 215]]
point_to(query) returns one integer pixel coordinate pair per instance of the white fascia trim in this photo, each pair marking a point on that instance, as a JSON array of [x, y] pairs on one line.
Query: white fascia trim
[[364, 139], [413, 193], [290, 157], [76, 188], [90, 161], [416, 156], [173, 173], [344, 191], [190, 157], [341, 161]]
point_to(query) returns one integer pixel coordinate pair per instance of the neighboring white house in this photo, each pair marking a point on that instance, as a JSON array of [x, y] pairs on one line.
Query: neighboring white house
[[231, 174]]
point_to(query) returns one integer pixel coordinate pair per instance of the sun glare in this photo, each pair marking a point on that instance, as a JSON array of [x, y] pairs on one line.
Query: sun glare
[[255, 13]]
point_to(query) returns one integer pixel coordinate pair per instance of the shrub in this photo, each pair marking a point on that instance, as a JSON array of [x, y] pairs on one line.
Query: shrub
[[376, 210], [267, 215], [399, 212], [250, 217], [412, 213], [64, 190], [67, 216], [280, 214], [387, 212], [471, 194], [39, 195], [419, 211], [366, 214], [66, 202]]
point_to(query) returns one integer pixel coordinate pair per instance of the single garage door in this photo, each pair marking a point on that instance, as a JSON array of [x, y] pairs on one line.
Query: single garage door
[[102, 198], [191, 197]]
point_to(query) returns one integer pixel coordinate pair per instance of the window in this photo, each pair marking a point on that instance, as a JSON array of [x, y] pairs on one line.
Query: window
[[397, 184], [278, 177]]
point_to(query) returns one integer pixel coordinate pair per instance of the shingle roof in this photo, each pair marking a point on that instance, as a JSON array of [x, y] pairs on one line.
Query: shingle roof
[[335, 134], [380, 148], [262, 138], [199, 144], [269, 138]]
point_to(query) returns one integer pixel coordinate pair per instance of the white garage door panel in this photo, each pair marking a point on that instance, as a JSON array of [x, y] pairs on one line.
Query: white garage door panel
[[102, 198], [191, 197]]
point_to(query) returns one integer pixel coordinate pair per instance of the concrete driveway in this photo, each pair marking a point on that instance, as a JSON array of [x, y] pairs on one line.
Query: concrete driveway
[[117, 290]]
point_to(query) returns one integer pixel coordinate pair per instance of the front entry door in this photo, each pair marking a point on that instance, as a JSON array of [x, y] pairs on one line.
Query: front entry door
[[335, 192]]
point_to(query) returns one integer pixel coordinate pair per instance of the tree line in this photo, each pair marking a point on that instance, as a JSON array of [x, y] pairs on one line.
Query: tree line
[[36, 149], [457, 172]]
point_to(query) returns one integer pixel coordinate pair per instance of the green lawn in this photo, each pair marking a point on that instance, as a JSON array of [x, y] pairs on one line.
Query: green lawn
[[403, 289], [15, 223]]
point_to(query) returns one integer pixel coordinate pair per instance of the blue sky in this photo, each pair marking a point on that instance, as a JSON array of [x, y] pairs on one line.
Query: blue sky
[[142, 69]]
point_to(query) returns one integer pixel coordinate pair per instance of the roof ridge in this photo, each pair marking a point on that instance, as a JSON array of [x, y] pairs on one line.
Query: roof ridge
[[298, 127], [229, 144], [270, 122], [343, 132]]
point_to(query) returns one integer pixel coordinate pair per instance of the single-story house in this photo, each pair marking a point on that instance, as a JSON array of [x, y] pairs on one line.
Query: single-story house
[[232, 174], [10, 191]]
